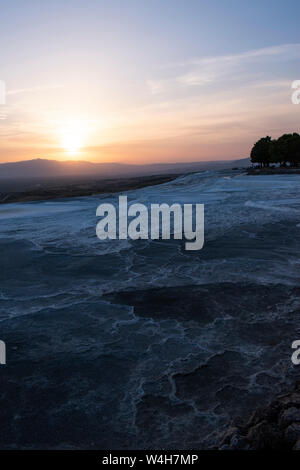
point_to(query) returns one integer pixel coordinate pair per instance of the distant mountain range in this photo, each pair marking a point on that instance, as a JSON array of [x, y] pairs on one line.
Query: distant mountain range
[[45, 168]]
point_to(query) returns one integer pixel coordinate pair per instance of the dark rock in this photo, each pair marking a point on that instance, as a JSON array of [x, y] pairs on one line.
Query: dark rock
[[276, 427], [297, 445], [288, 416], [292, 433], [264, 436]]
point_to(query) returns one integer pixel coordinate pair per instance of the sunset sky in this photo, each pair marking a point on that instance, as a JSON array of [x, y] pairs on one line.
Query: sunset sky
[[146, 81]]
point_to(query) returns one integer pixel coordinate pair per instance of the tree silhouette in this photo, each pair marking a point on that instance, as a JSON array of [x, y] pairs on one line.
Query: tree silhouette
[[285, 149], [260, 152]]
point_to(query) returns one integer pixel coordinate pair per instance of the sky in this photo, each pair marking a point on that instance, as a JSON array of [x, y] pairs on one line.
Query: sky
[[141, 81]]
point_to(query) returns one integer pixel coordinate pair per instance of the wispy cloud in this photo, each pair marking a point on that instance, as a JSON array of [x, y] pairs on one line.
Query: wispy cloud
[[286, 51], [203, 71], [155, 86], [32, 89]]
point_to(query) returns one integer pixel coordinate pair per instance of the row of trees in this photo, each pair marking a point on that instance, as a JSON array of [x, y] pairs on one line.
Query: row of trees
[[284, 150]]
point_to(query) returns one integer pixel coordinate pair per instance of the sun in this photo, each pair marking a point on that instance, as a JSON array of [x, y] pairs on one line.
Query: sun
[[72, 137], [71, 143]]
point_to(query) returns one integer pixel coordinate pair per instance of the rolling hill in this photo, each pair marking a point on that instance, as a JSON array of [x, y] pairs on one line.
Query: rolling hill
[[45, 168]]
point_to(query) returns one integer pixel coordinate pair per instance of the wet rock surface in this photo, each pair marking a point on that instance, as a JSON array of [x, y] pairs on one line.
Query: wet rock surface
[[140, 344], [274, 427]]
